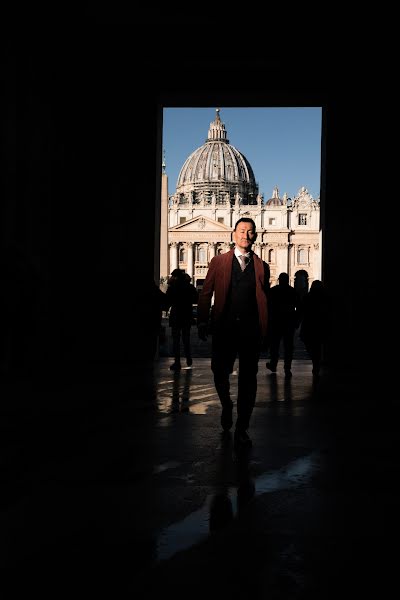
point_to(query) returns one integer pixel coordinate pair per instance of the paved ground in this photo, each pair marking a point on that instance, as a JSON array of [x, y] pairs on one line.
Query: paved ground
[[123, 487]]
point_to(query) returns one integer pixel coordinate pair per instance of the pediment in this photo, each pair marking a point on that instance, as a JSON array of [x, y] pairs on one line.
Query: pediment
[[303, 200], [302, 203], [200, 223]]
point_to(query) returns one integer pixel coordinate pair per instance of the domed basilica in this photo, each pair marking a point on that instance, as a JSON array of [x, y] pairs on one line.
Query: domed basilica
[[216, 187]]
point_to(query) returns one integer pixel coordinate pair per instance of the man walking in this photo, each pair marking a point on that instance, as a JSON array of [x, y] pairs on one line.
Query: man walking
[[284, 318], [180, 296], [239, 281]]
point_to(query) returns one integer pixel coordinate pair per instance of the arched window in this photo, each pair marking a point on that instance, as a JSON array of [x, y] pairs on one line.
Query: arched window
[[271, 256], [182, 255]]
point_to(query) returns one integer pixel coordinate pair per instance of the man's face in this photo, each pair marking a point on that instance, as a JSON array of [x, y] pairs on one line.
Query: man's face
[[244, 236]]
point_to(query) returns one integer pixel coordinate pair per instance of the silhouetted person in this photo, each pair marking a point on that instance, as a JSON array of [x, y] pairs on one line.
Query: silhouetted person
[[315, 323], [180, 297], [152, 315], [284, 318], [239, 281], [300, 284]]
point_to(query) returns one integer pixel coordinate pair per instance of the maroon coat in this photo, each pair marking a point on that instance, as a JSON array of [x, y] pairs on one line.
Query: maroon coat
[[218, 282]]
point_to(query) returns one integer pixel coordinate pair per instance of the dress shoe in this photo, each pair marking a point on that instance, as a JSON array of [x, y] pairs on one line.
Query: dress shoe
[[175, 366], [226, 418], [242, 440]]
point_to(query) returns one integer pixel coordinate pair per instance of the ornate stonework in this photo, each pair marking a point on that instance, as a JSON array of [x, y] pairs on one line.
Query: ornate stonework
[[216, 186]]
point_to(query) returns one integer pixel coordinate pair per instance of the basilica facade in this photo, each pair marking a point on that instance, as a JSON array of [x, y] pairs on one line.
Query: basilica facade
[[216, 187]]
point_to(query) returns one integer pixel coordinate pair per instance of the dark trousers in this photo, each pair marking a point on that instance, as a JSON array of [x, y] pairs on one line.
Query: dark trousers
[[314, 349], [228, 342], [283, 333], [177, 331]]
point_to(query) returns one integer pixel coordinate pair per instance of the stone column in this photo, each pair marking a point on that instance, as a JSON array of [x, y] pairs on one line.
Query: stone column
[[264, 252], [257, 249], [212, 246], [174, 258], [284, 258], [292, 249], [317, 261], [164, 250], [190, 262]]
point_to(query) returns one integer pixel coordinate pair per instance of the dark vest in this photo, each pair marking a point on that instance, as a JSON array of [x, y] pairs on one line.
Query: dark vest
[[241, 301]]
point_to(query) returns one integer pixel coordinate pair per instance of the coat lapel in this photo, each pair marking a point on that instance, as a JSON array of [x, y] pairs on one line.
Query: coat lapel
[[228, 271]]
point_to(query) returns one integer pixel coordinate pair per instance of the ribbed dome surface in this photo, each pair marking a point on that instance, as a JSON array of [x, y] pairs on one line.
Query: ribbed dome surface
[[217, 162], [273, 202]]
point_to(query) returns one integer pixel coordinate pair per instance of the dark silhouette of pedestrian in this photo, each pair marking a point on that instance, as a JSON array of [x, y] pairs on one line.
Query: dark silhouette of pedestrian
[[239, 281], [300, 284], [284, 318], [156, 302], [315, 323], [180, 297]]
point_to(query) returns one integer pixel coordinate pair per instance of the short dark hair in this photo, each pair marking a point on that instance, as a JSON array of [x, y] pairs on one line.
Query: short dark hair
[[245, 220], [177, 273]]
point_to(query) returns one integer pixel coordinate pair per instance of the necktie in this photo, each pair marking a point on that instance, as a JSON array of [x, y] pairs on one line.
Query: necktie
[[243, 261]]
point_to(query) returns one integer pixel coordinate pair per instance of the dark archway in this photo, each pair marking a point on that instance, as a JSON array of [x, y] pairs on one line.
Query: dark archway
[[93, 156]]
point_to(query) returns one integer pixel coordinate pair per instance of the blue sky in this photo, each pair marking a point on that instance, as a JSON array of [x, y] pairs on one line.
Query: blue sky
[[283, 145]]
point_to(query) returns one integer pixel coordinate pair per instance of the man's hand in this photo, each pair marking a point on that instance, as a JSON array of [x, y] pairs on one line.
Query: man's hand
[[202, 331]]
